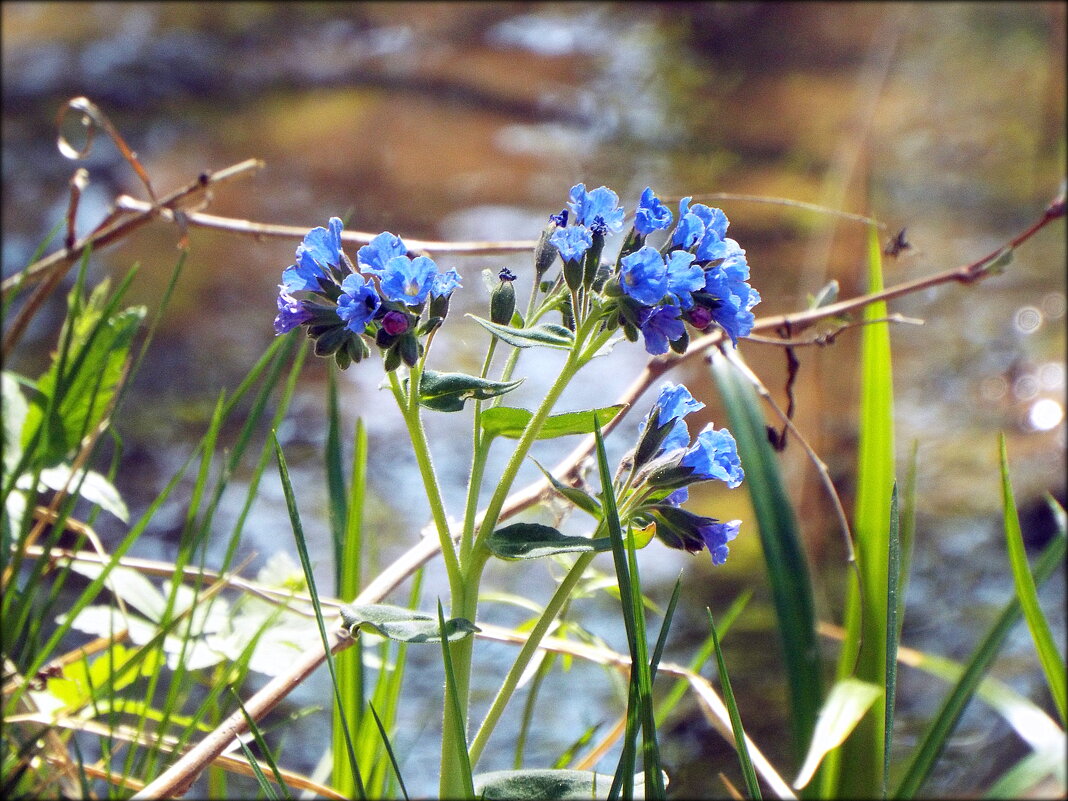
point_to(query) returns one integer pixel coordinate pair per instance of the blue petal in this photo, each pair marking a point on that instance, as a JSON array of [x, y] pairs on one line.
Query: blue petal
[[374, 256]]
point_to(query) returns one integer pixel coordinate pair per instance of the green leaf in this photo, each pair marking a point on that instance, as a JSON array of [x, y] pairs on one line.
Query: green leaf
[[752, 786], [529, 785], [448, 392], [511, 422], [583, 500], [866, 610], [784, 554], [534, 540], [403, 625], [848, 702], [83, 383], [1048, 655], [547, 335], [940, 727]]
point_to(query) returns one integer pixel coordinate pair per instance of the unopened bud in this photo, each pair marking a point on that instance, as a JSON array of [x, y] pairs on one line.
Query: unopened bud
[[502, 300]]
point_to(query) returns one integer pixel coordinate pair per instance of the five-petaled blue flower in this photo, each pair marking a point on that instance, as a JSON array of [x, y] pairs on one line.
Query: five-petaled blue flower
[[358, 302], [572, 242], [651, 215], [320, 250], [644, 276], [598, 210], [714, 456], [374, 256], [408, 281], [660, 325], [716, 536]]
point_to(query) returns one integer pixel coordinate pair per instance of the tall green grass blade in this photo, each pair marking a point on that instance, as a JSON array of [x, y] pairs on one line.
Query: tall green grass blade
[[942, 724], [893, 631], [348, 504], [335, 479], [866, 612], [1048, 654], [389, 752], [459, 736], [623, 780], [1023, 779], [265, 785], [784, 556], [752, 786], [704, 653], [309, 575]]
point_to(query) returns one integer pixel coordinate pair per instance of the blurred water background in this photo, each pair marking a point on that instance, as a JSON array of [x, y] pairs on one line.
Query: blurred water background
[[472, 121]]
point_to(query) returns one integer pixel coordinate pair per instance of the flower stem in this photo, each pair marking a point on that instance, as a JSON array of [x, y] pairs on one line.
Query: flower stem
[[409, 406], [526, 653]]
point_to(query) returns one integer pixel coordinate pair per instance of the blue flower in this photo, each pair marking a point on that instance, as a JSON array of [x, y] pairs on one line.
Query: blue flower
[[726, 282], [716, 536], [358, 302], [572, 242], [445, 283], [598, 210], [407, 281], [291, 312], [674, 403], [678, 497], [651, 215], [714, 455], [643, 276], [683, 277], [660, 325], [320, 250], [374, 256]]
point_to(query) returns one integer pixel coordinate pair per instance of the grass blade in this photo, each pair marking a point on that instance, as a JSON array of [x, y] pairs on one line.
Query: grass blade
[[864, 651], [452, 698], [309, 575], [784, 555], [265, 786], [1050, 658], [752, 786], [893, 631], [389, 751], [943, 723]]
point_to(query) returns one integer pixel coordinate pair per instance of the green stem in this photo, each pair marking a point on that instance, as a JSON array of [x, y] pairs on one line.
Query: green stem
[[409, 407], [526, 653]]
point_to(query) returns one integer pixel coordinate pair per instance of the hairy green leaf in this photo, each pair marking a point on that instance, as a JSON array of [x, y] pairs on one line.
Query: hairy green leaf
[[403, 625]]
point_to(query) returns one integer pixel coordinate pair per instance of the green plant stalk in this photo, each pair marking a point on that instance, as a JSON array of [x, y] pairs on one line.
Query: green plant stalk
[[467, 597], [748, 772], [526, 653], [479, 454], [409, 407]]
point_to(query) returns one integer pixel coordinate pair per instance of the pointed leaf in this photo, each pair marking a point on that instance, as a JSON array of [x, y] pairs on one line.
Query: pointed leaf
[[533, 540], [545, 334], [528, 785], [403, 625], [848, 702], [505, 421], [90, 485], [583, 500], [447, 392]]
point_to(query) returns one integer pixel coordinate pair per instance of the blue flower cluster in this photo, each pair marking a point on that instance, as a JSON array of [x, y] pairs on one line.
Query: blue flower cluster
[[381, 299], [698, 276], [666, 462]]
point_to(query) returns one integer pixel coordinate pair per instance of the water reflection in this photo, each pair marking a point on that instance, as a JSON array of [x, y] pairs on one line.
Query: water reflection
[[472, 121]]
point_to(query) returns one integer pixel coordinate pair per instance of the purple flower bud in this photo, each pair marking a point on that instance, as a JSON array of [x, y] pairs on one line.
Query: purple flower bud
[[395, 322]]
